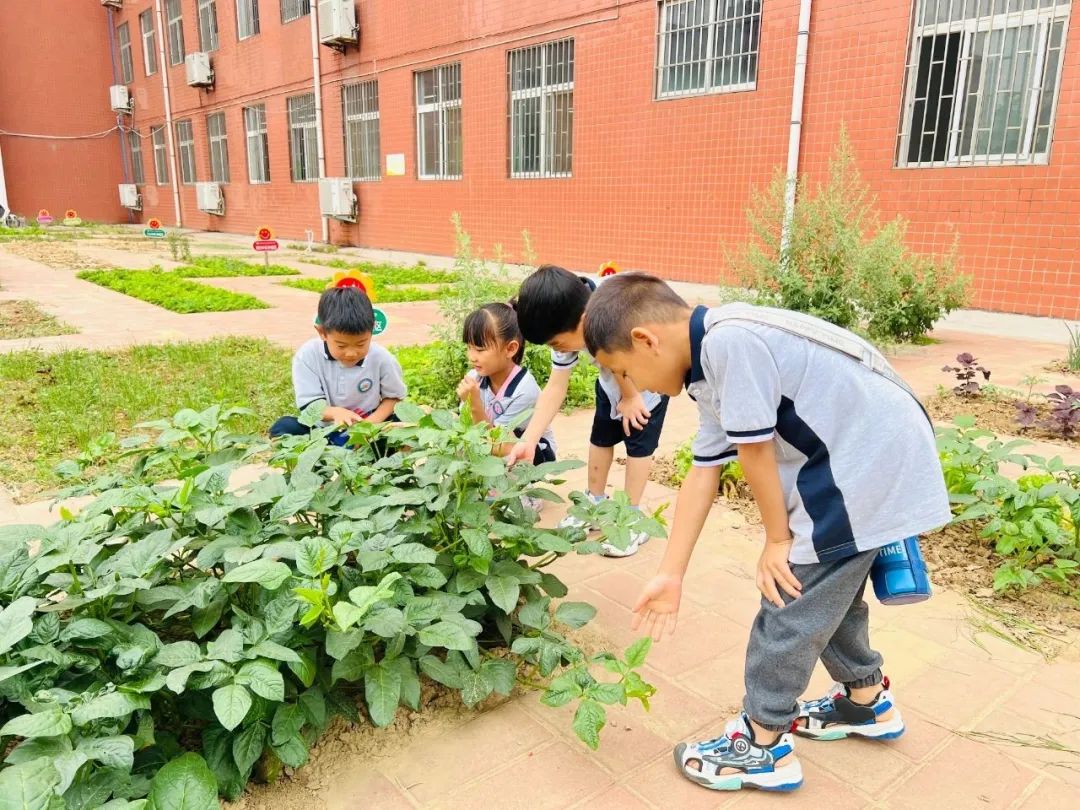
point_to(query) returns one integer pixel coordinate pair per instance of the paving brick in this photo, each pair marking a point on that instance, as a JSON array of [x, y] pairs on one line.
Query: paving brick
[[819, 789], [1035, 738], [660, 783], [365, 788], [956, 691], [615, 798], [877, 767], [1050, 795]]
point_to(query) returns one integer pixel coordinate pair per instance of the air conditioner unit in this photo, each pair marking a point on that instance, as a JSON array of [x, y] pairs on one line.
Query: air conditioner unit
[[336, 198], [112, 3], [337, 23], [199, 71], [120, 99], [130, 196], [209, 198]]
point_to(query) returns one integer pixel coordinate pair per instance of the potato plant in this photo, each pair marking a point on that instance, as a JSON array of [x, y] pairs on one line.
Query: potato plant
[[177, 635]]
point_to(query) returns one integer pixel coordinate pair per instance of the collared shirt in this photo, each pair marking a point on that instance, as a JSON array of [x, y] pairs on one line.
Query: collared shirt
[[507, 406], [857, 457], [318, 376]]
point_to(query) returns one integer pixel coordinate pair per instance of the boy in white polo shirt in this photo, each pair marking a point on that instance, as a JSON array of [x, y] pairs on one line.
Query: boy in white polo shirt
[[357, 378], [841, 462]]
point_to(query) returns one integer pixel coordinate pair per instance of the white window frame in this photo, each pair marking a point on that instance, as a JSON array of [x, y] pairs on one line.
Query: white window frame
[[149, 42], [247, 19], [161, 155], [360, 117], [185, 144], [545, 92], [258, 144], [1046, 14], [209, 33], [303, 147], [138, 174], [718, 13], [439, 108], [218, 140], [127, 66], [174, 9], [293, 10]]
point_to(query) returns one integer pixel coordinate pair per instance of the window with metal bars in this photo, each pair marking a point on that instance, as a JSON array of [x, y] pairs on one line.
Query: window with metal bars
[[303, 149], [541, 79], [360, 112], [138, 177], [208, 27], [294, 9], [161, 156], [185, 140], [219, 147], [982, 82], [175, 13], [149, 42], [258, 146], [247, 18], [438, 122], [707, 46], [127, 67]]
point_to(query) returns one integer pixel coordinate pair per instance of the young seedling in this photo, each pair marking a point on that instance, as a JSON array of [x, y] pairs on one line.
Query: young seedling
[[966, 372]]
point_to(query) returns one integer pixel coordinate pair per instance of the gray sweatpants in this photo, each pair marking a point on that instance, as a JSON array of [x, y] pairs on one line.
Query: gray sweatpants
[[829, 621]]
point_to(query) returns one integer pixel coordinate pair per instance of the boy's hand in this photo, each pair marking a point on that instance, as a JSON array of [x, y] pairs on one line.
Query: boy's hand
[[341, 416], [657, 608], [468, 388], [773, 572], [634, 413], [522, 451]]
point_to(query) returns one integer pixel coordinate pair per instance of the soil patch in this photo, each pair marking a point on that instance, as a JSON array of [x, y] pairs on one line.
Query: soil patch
[[1061, 367], [995, 413], [53, 254], [734, 494], [22, 319]]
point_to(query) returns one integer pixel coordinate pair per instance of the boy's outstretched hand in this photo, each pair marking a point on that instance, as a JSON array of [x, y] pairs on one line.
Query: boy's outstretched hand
[[522, 451], [773, 572], [657, 609]]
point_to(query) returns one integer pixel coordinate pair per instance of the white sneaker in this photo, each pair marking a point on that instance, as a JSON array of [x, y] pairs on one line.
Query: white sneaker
[[571, 522], [637, 540]]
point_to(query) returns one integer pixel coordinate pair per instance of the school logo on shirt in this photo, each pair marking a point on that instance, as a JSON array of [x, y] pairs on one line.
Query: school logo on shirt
[[498, 408], [365, 385]]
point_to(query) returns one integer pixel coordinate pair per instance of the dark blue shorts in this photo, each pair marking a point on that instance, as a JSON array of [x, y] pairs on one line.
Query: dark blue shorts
[[608, 432]]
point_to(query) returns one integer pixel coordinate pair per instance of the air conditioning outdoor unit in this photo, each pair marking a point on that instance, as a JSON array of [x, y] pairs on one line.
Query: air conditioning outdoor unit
[[120, 99], [336, 198], [130, 196], [209, 198], [112, 3], [337, 23], [199, 71]]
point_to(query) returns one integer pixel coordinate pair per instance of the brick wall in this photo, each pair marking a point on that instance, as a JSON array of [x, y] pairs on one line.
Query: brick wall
[[657, 185]]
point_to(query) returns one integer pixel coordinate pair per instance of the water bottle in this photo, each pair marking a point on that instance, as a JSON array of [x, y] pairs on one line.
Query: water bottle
[[899, 574]]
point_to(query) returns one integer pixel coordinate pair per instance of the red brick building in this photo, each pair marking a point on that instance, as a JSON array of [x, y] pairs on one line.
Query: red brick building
[[632, 130]]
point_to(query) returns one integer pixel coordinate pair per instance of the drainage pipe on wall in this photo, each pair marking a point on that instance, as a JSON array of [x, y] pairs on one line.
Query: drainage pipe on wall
[[320, 147], [795, 133], [4, 207], [164, 66]]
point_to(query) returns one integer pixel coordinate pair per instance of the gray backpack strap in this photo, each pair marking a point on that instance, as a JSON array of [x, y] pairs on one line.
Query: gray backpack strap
[[820, 332]]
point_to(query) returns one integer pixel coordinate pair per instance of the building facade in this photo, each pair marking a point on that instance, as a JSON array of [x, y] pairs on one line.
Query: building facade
[[626, 130]]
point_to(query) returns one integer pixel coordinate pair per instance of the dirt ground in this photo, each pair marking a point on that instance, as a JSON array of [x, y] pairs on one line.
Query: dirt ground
[[995, 413]]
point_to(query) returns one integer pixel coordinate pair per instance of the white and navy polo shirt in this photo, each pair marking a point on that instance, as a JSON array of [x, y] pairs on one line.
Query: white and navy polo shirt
[[318, 376], [857, 456], [507, 406]]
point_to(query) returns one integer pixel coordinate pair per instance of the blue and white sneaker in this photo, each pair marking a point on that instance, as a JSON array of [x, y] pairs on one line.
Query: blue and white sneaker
[[837, 716], [734, 761]]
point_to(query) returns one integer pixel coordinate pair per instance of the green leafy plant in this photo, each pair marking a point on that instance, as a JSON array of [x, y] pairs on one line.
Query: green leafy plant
[[732, 481], [383, 294], [1072, 356], [170, 291], [227, 266], [840, 263], [179, 246], [966, 371], [177, 634], [391, 274]]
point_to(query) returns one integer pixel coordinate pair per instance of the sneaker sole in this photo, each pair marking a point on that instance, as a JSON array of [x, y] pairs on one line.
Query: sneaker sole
[[785, 780], [889, 730]]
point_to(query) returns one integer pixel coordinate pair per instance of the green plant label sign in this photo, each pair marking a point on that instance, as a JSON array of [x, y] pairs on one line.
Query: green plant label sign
[[154, 233], [381, 322]]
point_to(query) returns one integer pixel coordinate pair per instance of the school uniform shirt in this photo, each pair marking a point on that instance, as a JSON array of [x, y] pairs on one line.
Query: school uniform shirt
[[858, 461], [505, 406], [318, 376]]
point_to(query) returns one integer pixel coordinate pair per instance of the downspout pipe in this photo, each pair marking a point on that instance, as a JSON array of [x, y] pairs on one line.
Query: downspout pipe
[[173, 168], [320, 146], [124, 153], [795, 132], [3, 190]]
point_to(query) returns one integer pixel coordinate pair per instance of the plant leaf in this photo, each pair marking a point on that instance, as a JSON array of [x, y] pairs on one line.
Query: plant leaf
[[441, 671], [49, 723], [448, 635], [636, 652], [382, 691], [315, 555], [288, 720], [28, 786], [231, 705], [575, 614], [263, 679], [113, 704], [504, 592], [271, 574], [290, 503], [501, 673], [111, 752], [413, 553], [293, 752], [475, 686], [185, 783], [15, 622], [589, 718], [248, 746]]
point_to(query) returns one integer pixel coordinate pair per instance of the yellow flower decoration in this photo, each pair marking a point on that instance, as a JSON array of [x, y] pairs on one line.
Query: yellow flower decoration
[[354, 278], [608, 269]]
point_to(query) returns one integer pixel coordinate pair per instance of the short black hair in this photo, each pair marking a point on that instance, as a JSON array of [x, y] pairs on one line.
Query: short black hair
[[551, 301], [493, 324], [346, 310], [624, 302]]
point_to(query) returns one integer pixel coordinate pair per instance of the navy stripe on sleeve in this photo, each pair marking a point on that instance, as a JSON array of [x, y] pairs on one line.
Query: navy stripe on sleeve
[[746, 434], [563, 365], [719, 457]]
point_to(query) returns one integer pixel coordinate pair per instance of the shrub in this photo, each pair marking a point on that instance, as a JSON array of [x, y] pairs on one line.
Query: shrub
[[171, 291], [227, 266], [1072, 357], [209, 631], [840, 263]]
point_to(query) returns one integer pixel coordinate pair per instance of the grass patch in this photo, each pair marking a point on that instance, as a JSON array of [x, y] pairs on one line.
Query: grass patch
[[390, 274], [171, 291], [383, 295], [314, 248], [59, 403], [23, 319], [228, 267], [35, 233]]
